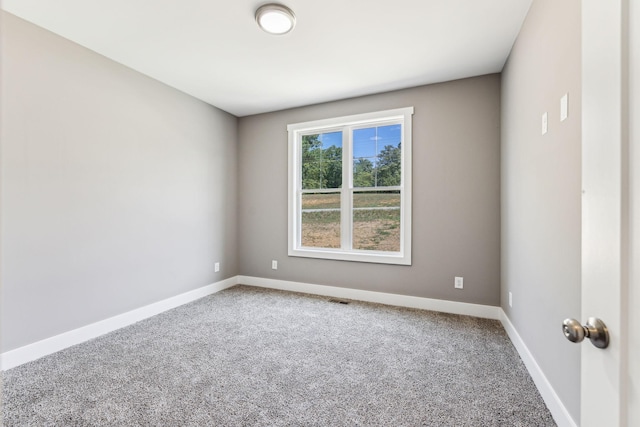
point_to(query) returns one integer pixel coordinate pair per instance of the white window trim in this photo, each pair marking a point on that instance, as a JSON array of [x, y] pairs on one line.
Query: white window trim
[[295, 182]]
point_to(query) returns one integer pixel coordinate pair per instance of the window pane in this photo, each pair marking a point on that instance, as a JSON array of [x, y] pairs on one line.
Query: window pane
[[364, 143], [322, 161], [320, 220], [376, 220], [377, 156], [364, 172]]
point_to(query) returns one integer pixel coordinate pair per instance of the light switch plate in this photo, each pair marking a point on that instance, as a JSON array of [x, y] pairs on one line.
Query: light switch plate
[[564, 107], [545, 123]]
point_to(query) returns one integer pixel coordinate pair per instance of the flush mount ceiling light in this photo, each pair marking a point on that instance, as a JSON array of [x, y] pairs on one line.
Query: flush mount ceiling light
[[275, 18]]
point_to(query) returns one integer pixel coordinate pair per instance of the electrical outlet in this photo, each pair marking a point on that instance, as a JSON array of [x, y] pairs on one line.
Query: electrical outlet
[[274, 264], [458, 283], [216, 267], [510, 299]]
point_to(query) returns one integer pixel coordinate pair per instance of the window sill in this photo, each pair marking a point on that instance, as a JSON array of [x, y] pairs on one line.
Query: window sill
[[354, 256]]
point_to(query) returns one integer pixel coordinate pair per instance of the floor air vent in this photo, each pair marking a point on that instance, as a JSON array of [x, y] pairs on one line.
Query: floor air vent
[[339, 301]]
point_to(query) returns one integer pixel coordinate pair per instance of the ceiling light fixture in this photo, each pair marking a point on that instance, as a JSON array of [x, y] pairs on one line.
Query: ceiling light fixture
[[275, 18]]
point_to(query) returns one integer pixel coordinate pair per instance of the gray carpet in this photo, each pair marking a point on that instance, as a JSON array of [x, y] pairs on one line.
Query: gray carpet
[[255, 357]]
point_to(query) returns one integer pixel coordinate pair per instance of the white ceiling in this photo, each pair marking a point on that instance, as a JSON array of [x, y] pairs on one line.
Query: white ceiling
[[214, 51]]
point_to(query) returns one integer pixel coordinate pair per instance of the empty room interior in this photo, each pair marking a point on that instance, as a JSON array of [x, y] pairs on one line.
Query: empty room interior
[[371, 214]]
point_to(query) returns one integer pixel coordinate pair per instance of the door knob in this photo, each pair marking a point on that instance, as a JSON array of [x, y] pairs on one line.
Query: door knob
[[595, 330]]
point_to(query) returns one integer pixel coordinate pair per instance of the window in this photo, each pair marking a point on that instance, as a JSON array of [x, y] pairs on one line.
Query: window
[[350, 188]]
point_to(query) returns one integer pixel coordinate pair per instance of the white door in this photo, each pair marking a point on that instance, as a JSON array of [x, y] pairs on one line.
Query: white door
[[608, 182], [633, 305]]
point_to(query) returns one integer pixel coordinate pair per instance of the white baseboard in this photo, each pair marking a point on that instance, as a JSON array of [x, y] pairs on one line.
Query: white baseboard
[[59, 342], [476, 310], [553, 402]]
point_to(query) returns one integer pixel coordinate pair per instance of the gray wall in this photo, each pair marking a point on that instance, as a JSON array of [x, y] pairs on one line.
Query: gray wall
[[117, 191], [456, 191], [541, 190]]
